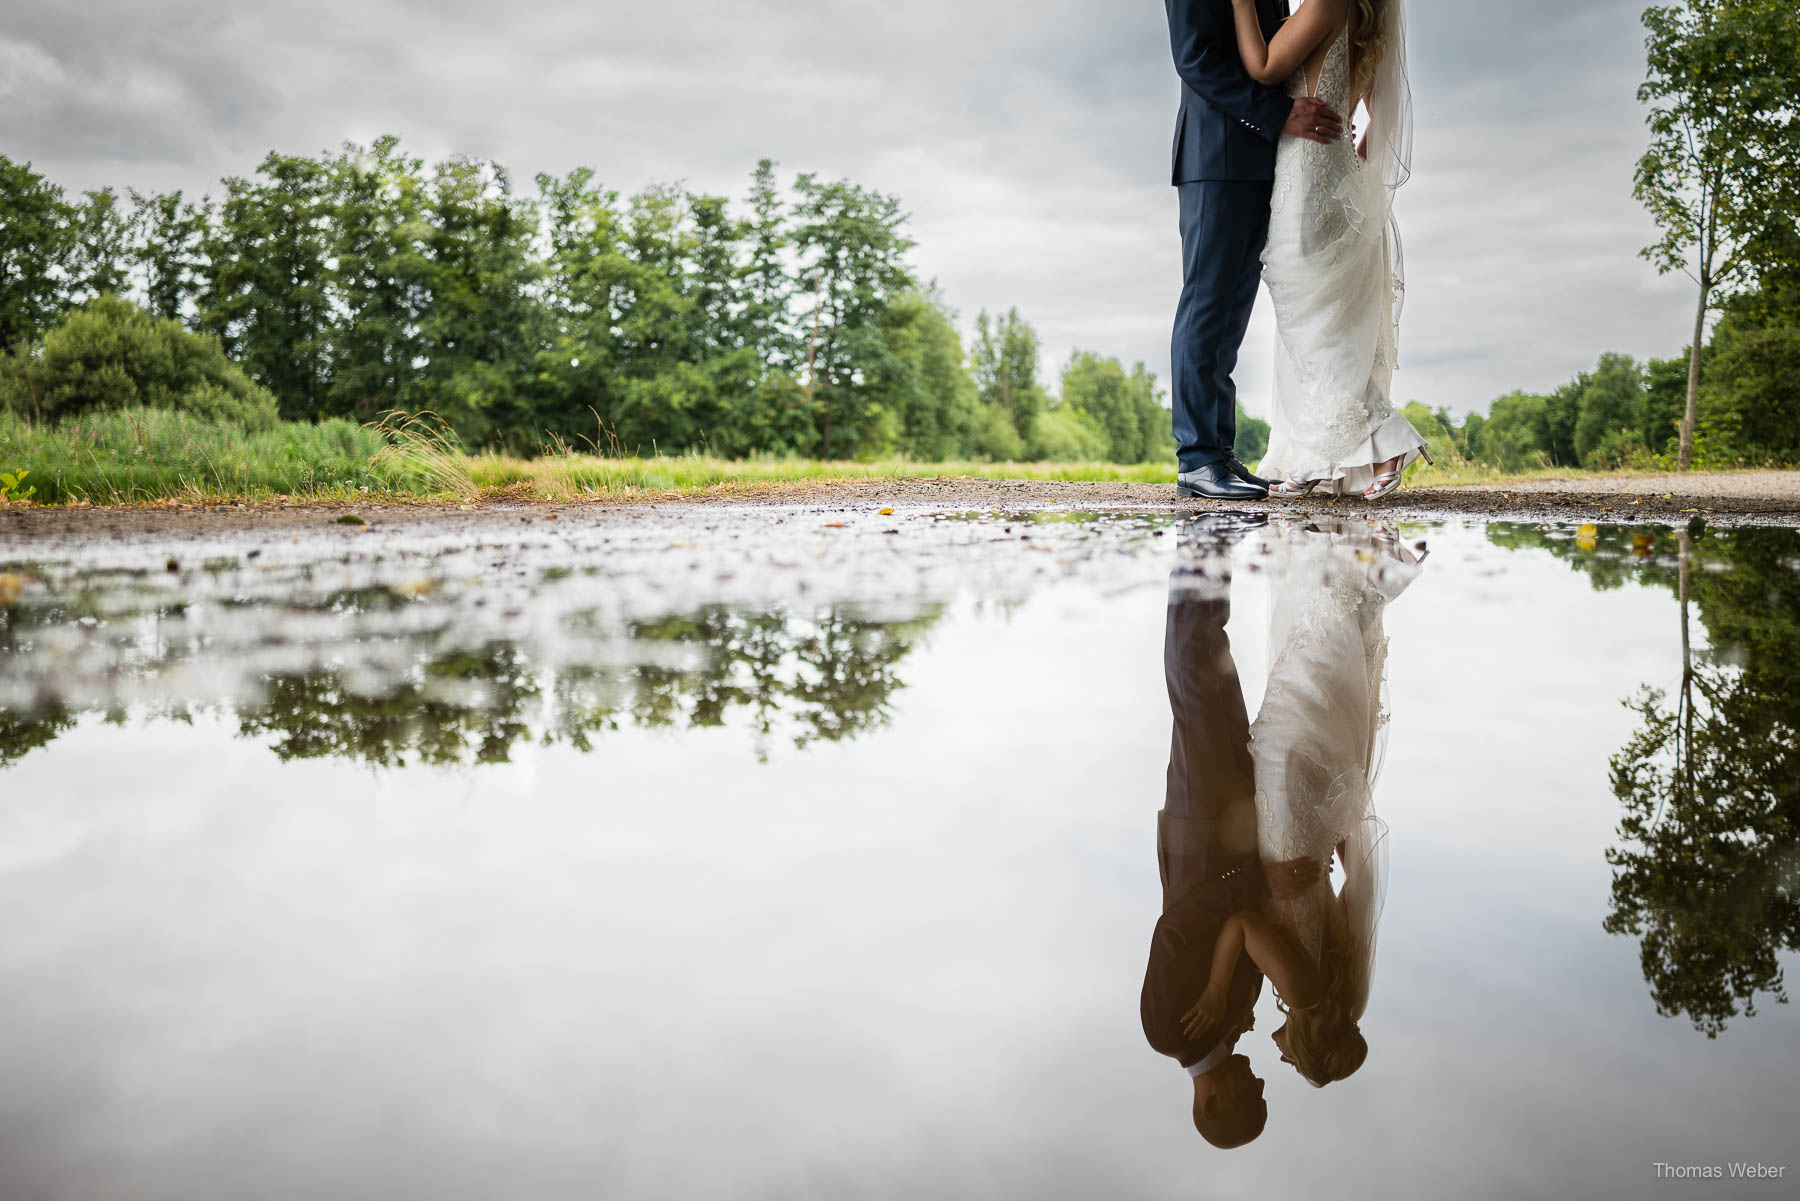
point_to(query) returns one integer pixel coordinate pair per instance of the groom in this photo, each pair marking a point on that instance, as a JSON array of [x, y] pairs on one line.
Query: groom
[[1224, 169]]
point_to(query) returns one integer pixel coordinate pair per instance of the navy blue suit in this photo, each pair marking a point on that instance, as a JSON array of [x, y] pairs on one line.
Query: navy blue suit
[[1224, 165]]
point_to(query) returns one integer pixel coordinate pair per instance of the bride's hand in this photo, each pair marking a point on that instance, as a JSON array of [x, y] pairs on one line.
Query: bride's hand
[[1291, 879]]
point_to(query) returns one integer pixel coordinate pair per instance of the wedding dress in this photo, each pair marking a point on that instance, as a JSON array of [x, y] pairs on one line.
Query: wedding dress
[[1334, 271], [1318, 739]]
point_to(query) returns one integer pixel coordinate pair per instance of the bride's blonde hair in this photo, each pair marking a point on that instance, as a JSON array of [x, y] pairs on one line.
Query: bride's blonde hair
[[1368, 43], [1323, 1039]]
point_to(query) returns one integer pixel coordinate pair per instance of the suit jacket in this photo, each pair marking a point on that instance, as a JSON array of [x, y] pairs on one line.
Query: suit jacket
[[1228, 124], [1207, 828]]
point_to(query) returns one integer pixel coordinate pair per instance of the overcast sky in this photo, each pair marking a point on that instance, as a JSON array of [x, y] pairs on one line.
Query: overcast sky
[[1030, 141]]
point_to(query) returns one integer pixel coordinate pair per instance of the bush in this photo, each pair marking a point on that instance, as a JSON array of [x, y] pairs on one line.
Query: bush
[[110, 355], [994, 438], [1063, 435]]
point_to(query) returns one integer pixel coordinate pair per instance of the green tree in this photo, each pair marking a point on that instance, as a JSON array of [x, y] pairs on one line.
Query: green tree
[[1123, 409], [1005, 362], [1607, 427], [378, 278], [101, 250], [170, 251], [1515, 433], [35, 233], [583, 272], [1252, 437], [1722, 173], [267, 301], [480, 325], [852, 252], [938, 405]]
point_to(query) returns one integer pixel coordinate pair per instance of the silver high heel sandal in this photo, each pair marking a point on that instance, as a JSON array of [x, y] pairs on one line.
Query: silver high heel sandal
[[1388, 482], [1292, 489]]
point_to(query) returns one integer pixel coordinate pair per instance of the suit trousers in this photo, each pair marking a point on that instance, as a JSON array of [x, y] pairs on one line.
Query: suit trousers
[[1224, 224], [1208, 822]]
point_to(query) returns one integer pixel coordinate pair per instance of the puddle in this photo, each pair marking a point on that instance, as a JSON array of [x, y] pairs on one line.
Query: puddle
[[801, 852]]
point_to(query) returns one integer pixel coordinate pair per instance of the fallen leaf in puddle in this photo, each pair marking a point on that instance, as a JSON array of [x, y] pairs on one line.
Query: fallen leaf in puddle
[[836, 525], [11, 588], [887, 512], [1587, 537], [679, 546]]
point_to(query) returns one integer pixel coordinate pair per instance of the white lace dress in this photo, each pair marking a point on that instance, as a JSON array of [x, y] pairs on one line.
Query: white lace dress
[[1317, 741], [1329, 267]]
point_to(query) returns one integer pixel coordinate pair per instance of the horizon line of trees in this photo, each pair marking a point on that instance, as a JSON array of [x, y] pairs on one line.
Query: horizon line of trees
[[359, 283]]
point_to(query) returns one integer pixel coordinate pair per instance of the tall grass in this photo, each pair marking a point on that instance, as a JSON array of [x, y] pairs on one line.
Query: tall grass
[[161, 454], [576, 476]]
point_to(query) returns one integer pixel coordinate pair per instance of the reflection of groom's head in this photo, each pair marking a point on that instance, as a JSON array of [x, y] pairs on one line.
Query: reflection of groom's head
[[1229, 1109]]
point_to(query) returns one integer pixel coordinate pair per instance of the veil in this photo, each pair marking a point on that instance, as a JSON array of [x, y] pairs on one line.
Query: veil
[[1390, 143]]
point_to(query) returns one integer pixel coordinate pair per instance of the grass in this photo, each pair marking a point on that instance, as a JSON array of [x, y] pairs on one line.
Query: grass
[[153, 455]]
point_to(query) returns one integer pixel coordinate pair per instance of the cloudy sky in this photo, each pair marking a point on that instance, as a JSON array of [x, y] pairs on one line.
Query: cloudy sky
[[1029, 141]]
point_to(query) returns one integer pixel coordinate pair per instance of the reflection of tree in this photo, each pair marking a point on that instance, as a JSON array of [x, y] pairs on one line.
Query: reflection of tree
[[463, 706], [22, 733], [832, 678], [821, 676], [1709, 850]]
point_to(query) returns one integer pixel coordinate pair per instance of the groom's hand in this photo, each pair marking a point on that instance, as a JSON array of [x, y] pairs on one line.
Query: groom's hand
[[1313, 120]]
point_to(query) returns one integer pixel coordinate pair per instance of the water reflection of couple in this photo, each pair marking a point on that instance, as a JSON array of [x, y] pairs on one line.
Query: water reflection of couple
[[1255, 814]]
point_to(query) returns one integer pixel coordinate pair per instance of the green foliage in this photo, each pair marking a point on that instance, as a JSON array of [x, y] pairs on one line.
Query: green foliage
[[110, 354], [1005, 362], [1721, 176], [362, 283], [1252, 437], [1722, 173], [1124, 410], [1608, 412], [935, 397], [156, 454], [14, 487], [1752, 392], [35, 238]]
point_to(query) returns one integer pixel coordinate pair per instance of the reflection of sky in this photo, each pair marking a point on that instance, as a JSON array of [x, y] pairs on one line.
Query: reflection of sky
[[903, 966]]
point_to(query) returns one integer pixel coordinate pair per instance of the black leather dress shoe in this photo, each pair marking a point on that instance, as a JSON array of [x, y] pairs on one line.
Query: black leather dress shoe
[[1236, 466], [1215, 481]]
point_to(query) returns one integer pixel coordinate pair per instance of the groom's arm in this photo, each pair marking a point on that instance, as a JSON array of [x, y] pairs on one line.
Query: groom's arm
[[1202, 38]]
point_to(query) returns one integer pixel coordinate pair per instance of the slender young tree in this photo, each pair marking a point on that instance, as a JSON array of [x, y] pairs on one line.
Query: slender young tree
[[1723, 167]]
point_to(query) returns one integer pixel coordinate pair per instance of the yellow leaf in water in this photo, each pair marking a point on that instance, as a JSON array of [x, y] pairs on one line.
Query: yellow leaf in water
[[1587, 537], [835, 525], [887, 512], [11, 587]]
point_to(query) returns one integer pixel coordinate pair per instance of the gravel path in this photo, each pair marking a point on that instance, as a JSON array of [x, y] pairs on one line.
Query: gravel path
[[1765, 497]]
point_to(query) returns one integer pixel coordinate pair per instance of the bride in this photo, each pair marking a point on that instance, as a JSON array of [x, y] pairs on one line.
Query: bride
[[1316, 748], [1333, 262]]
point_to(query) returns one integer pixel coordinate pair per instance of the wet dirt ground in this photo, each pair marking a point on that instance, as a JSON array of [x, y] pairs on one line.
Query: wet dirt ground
[[1759, 497]]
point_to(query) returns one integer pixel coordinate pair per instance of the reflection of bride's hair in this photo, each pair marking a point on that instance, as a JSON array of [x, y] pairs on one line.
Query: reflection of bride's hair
[[1323, 1039], [1368, 42]]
